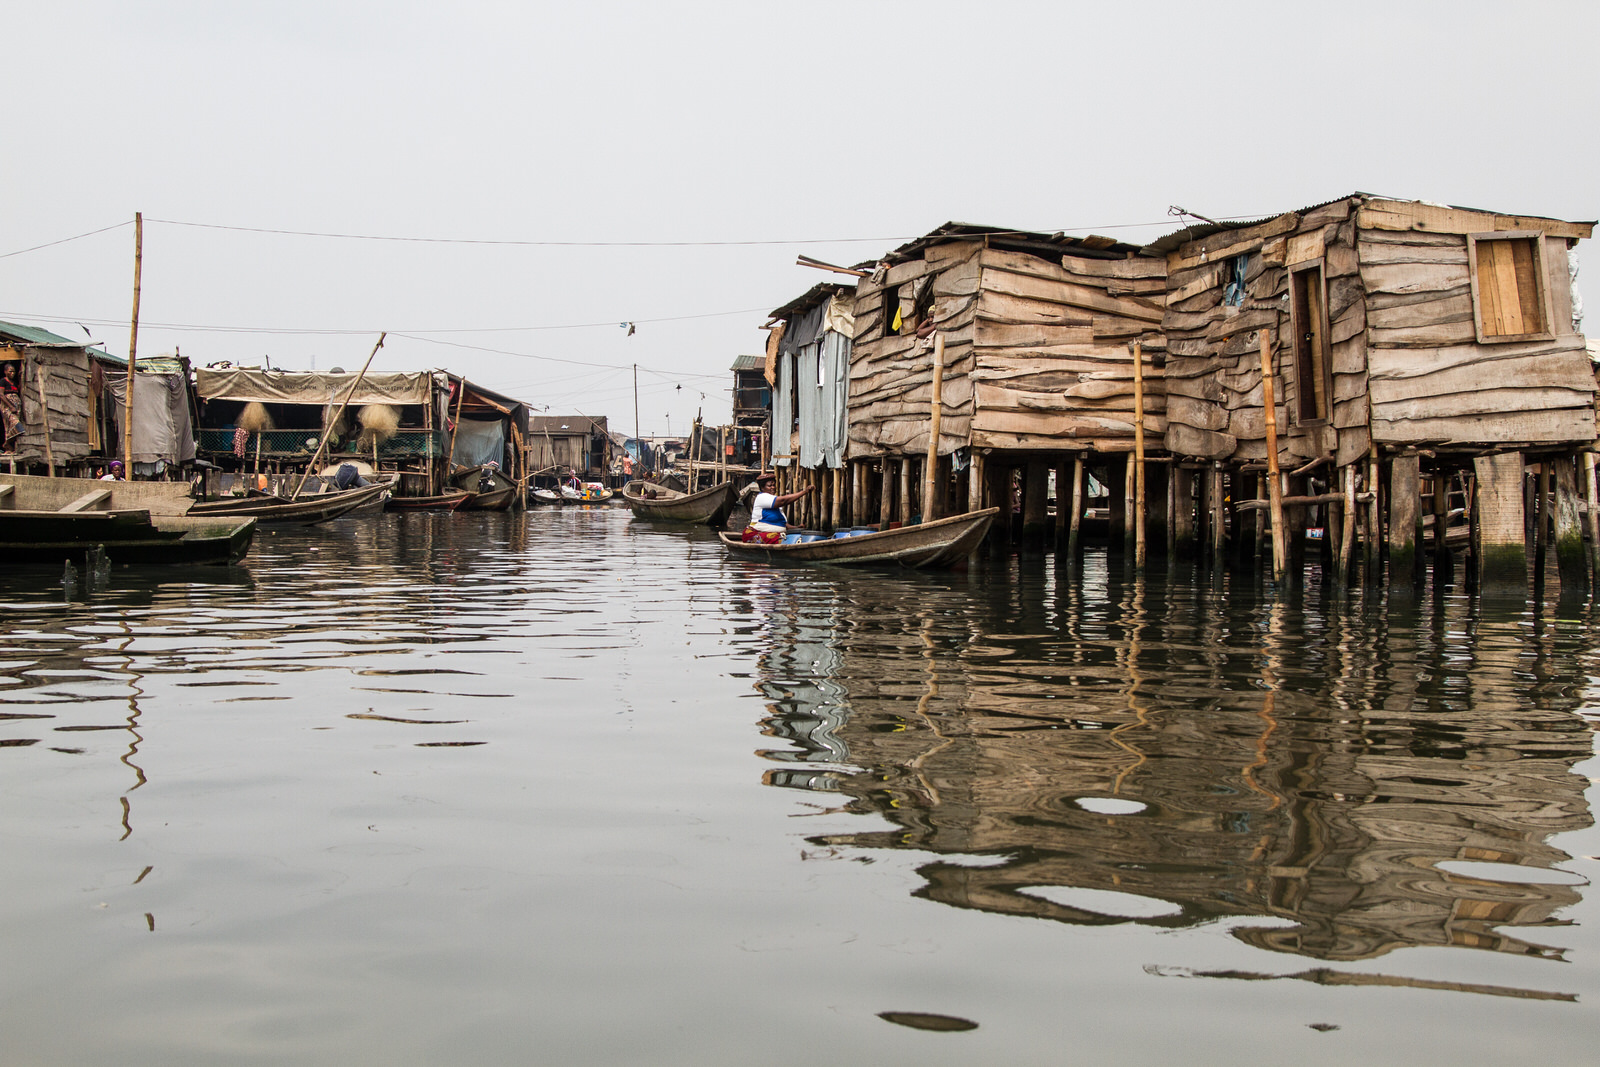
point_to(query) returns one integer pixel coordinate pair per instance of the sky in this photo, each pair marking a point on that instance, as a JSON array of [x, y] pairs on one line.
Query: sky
[[500, 185]]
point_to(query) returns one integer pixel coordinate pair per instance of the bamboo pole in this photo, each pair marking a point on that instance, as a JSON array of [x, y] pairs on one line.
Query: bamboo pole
[[44, 422], [930, 475], [455, 427], [905, 490], [327, 431], [1138, 456], [1274, 480], [133, 346], [1347, 527]]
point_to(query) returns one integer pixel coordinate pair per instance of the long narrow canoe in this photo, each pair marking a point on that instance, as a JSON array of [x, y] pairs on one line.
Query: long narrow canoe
[[708, 507], [929, 545], [501, 497], [39, 537], [302, 511]]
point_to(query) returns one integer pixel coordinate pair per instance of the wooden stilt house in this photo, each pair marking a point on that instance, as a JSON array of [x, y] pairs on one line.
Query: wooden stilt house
[[811, 363], [59, 402], [985, 359], [1340, 352]]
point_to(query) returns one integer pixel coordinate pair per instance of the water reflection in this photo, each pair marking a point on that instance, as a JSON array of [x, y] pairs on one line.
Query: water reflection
[[1107, 751]]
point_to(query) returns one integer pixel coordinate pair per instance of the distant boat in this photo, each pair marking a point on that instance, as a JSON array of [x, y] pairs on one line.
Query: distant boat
[[591, 493], [443, 502], [544, 496], [49, 520], [657, 503], [928, 545], [297, 511]]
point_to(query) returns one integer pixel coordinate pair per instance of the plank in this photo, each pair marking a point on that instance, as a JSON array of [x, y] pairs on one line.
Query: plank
[[1138, 267], [1416, 277], [1032, 286], [1054, 424], [991, 334], [1203, 444], [1567, 425], [1002, 307], [1489, 402], [1401, 363], [1199, 414], [1378, 253], [1430, 218], [90, 501], [1203, 282], [1305, 247], [1487, 377]]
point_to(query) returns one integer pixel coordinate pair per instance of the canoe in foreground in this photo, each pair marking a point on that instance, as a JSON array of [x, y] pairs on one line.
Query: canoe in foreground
[[443, 502], [164, 539], [707, 507], [941, 543], [303, 511]]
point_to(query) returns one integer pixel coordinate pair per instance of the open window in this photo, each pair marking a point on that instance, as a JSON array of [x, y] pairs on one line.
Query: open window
[[1510, 298], [1313, 366]]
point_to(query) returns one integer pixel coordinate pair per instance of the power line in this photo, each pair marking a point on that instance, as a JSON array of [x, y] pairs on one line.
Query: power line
[[64, 240]]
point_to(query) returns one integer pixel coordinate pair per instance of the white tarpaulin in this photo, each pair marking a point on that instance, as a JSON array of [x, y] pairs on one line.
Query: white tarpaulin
[[310, 387], [478, 441]]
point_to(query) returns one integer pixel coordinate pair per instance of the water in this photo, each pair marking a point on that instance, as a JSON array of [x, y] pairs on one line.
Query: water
[[564, 788]]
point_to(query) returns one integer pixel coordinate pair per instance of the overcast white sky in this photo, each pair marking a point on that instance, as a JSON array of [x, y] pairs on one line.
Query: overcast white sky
[[725, 138]]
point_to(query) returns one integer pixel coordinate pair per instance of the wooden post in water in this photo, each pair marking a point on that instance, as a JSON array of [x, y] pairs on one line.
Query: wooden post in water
[[1075, 522], [1280, 547], [886, 492], [930, 475], [905, 490], [1541, 518], [1181, 539], [1138, 456], [1217, 500], [1592, 513], [1347, 527], [1569, 529], [133, 351], [1502, 547], [1374, 543], [1405, 498]]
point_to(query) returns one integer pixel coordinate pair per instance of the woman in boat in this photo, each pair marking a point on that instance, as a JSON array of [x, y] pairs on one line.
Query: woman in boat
[[768, 523]]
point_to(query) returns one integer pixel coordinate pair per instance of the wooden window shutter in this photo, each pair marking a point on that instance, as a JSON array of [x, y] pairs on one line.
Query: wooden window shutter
[[1510, 299]]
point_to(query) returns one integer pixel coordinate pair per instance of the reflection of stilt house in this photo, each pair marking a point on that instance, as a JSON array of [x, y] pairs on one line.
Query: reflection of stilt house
[[1019, 347], [1398, 334]]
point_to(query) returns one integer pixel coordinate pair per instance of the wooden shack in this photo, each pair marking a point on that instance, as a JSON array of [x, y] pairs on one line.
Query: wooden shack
[[297, 407], [1398, 338], [64, 422], [559, 442], [986, 358], [809, 358]]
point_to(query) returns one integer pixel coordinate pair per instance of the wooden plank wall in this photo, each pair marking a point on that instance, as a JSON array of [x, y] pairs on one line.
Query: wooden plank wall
[[67, 392], [1036, 354], [1213, 375], [1052, 366], [891, 375], [1431, 379]]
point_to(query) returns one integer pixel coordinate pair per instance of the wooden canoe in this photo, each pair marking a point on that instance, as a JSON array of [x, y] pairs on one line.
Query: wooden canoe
[[126, 537], [443, 502], [501, 498], [299, 511], [928, 545], [708, 507], [591, 493]]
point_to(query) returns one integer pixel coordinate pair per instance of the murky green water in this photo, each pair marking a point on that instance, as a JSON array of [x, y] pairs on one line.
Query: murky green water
[[564, 788]]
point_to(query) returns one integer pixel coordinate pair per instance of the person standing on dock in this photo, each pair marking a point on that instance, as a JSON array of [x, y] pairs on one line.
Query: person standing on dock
[[768, 523]]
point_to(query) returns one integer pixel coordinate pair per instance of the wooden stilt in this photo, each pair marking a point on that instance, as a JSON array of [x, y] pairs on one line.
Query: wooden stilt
[[1501, 547], [1541, 519], [1592, 513], [1036, 479], [1347, 527], [886, 494], [1569, 529], [905, 490], [1373, 546], [1075, 516], [1217, 501], [975, 475], [836, 515], [1405, 497], [1183, 517]]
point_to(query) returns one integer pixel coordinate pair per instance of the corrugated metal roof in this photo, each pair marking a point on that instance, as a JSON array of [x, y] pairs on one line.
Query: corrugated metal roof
[[566, 424], [810, 298], [33, 335], [749, 363]]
